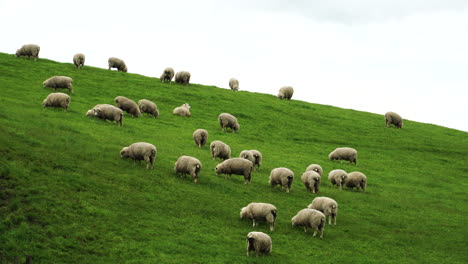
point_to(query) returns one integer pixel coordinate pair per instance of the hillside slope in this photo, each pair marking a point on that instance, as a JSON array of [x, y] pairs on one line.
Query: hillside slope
[[67, 197]]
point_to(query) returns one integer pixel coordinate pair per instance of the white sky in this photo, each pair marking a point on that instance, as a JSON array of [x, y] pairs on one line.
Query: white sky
[[410, 57]]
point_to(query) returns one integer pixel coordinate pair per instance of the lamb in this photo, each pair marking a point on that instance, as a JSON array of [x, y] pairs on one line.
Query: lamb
[[260, 212], [188, 165], [106, 112], [127, 105], [140, 151], [183, 110], [79, 60], [220, 150], [117, 63], [57, 100], [247, 154], [258, 157], [356, 179], [228, 121], [234, 84], [28, 50], [348, 154], [238, 166], [311, 180], [258, 242], [56, 82], [393, 118], [167, 75], [182, 77], [338, 177], [283, 177], [285, 92], [315, 167], [146, 106], [200, 136], [327, 206], [310, 218]]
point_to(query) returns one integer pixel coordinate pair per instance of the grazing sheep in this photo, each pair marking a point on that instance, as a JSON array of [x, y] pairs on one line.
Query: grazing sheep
[[188, 165], [311, 180], [260, 212], [393, 118], [167, 75], [283, 177], [56, 82], [258, 242], [183, 110], [117, 63], [315, 167], [348, 154], [234, 84], [327, 206], [258, 157], [146, 106], [356, 179], [140, 151], [220, 150], [238, 166], [79, 60], [247, 154], [310, 218], [182, 77], [127, 105], [57, 100], [200, 136], [285, 92], [338, 177], [28, 50], [228, 121], [106, 112]]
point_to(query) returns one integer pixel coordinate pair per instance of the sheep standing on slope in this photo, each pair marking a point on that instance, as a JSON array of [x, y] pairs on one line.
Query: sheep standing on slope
[[146, 106], [356, 179], [220, 150], [281, 176], [348, 154], [285, 92], [258, 242], [338, 177], [393, 118], [236, 166], [183, 110], [247, 154], [79, 60], [127, 105], [117, 63], [260, 212], [311, 180], [228, 121], [56, 82], [106, 112], [234, 84], [140, 151], [200, 136], [28, 50], [315, 167], [258, 157], [327, 206], [188, 165], [182, 77], [167, 75], [310, 218], [57, 100]]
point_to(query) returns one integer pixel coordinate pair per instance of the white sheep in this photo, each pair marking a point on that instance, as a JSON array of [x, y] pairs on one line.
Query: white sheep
[[311, 180], [167, 75], [234, 84], [57, 100], [228, 121], [146, 106], [356, 179], [248, 155], [315, 167], [56, 82], [79, 60], [117, 63], [183, 110], [348, 154], [327, 206], [128, 105], [310, 218], [106, 112], [182, 77], [200, 136], [258, 157], [258, 242], [140, 151], [28, 50], [238, 166], [281, 176], [338, 177], [393, 118], [285, 92], [257, 212], [188, 165], [220, 150]]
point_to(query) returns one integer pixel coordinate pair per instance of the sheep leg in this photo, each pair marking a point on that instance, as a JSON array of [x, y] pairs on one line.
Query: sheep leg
[[305, 229], [254, 224], [329, 219], [321, 234], [315, 233], [334, 220]]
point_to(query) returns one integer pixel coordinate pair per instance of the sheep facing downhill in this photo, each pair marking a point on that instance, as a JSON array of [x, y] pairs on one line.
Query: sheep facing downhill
[[127, 105], [140, 151], [182, 77], [56, 82], [285, 92], [281, 176], [338, 177], [28, 50], [311, 180], [228, 121], [257, 212], [327, 206], [146, 106], [117, 63], [356, 179], [310, 218], [57, 100], [348, 154], [200, 136], [315, 167], [393, 118], [220, 150], [258, 242], [188, 165], [234, 84], [167, 75], [79, 60], [106, 112], [236, 166], [183, 110]]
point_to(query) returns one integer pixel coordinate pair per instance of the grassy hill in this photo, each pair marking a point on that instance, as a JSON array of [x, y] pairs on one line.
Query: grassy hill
[[67, 197]]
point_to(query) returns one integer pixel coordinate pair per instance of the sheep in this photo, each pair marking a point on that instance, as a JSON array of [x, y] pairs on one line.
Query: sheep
[[338, 177], [348, 154], [57, 100], [258, 242], [310, 218], [327, 206], [106, 112], [281, 176], [140, 151], [183, 110], [188, 165], [311, 180], [200, 136], [127, 105], [238, 166], [220, 150], [247, 154], [28, 50], [117, 63], [258, 157], [393, 118], [79, 60], [56, 82], [285, 92], [228, 121], [315, 167], [260, 212], [234, 84], [182, 77], [356, 179], [146, 106], [167, 75]]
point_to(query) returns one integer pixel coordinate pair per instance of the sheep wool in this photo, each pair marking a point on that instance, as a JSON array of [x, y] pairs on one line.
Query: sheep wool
[[200, 136], [327, 206], [234, 84], [228, 121], [182, 77], [348, 154], [28, 50], [311, 180], [337, 177], [127, 105], [188, 165], [281, 176], [56, 82], [183, 110], [356, 179], [117, 63], [167, 75], [140, 151], [257, 212], [258, 157], [236, 166], [259, 242], [106, 112], [79, 60], [310, 218], [220, 150], [57, 100], [285, 92], [247, 154], [315, 167], [146, 106], [393, 118]]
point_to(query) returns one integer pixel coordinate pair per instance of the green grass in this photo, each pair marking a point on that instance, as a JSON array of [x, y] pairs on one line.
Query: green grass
[[67, 197]]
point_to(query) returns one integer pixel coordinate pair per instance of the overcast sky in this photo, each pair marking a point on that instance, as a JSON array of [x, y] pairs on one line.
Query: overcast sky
[[410, 57]]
